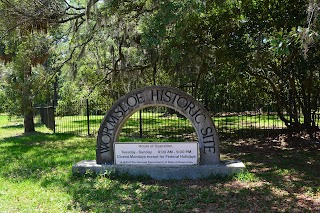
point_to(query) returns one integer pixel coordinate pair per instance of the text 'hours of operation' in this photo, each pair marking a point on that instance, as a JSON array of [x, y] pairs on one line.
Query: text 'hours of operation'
[[165, 153]]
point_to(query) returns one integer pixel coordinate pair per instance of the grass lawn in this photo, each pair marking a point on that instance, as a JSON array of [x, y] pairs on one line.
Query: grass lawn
[[283, 176]]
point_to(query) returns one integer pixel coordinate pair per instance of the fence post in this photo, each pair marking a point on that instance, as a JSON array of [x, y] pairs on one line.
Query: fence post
[[54, 102], [140, 122], [88, 117], [53, 117]]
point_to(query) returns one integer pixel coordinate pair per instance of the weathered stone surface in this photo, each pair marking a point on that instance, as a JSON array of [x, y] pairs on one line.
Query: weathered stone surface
[[158, 96]]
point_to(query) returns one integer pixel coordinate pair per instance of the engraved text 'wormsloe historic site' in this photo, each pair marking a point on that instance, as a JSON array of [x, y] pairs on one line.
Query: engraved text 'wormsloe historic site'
[[158, 96]]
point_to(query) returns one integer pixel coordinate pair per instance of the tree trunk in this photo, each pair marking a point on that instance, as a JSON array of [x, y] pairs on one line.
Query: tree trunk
[[203, 69], [29, 121], [27, 107], [154, 73]]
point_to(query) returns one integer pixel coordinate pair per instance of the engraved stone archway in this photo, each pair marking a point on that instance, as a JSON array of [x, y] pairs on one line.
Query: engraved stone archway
[[182, 102]]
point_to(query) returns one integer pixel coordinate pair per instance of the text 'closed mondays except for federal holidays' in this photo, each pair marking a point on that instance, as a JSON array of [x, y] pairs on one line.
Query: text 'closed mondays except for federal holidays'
[[155, 153]]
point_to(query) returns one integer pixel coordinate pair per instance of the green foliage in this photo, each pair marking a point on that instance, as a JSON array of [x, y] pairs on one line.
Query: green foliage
[[2, 100], [245, 176], [266, 45], [25, 48], [13, 85], [69, 94]]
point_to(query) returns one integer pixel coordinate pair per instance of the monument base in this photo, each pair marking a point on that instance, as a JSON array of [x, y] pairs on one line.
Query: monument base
[[160, 172]]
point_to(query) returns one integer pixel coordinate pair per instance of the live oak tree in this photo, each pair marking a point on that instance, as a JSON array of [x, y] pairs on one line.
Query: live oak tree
[[24, 42], [257, 40], [79, 26], [267, 45], [21, 82]]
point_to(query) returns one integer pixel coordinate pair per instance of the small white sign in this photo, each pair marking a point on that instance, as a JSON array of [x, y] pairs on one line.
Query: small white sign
[[164, 153]]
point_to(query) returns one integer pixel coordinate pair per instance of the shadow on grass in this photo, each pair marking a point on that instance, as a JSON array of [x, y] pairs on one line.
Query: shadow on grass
[[35, 139], [209, 195], [36, 156], [278, 175], [226, 133], [285, 179], [18, 126], [281, 177], [288, 164]]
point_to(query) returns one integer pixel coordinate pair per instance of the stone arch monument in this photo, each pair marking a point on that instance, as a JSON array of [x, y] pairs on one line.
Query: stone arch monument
[[120, 112], [158, 96]]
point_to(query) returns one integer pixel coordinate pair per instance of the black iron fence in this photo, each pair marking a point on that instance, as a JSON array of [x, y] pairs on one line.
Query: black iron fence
[[159, 123], [47, 114]]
